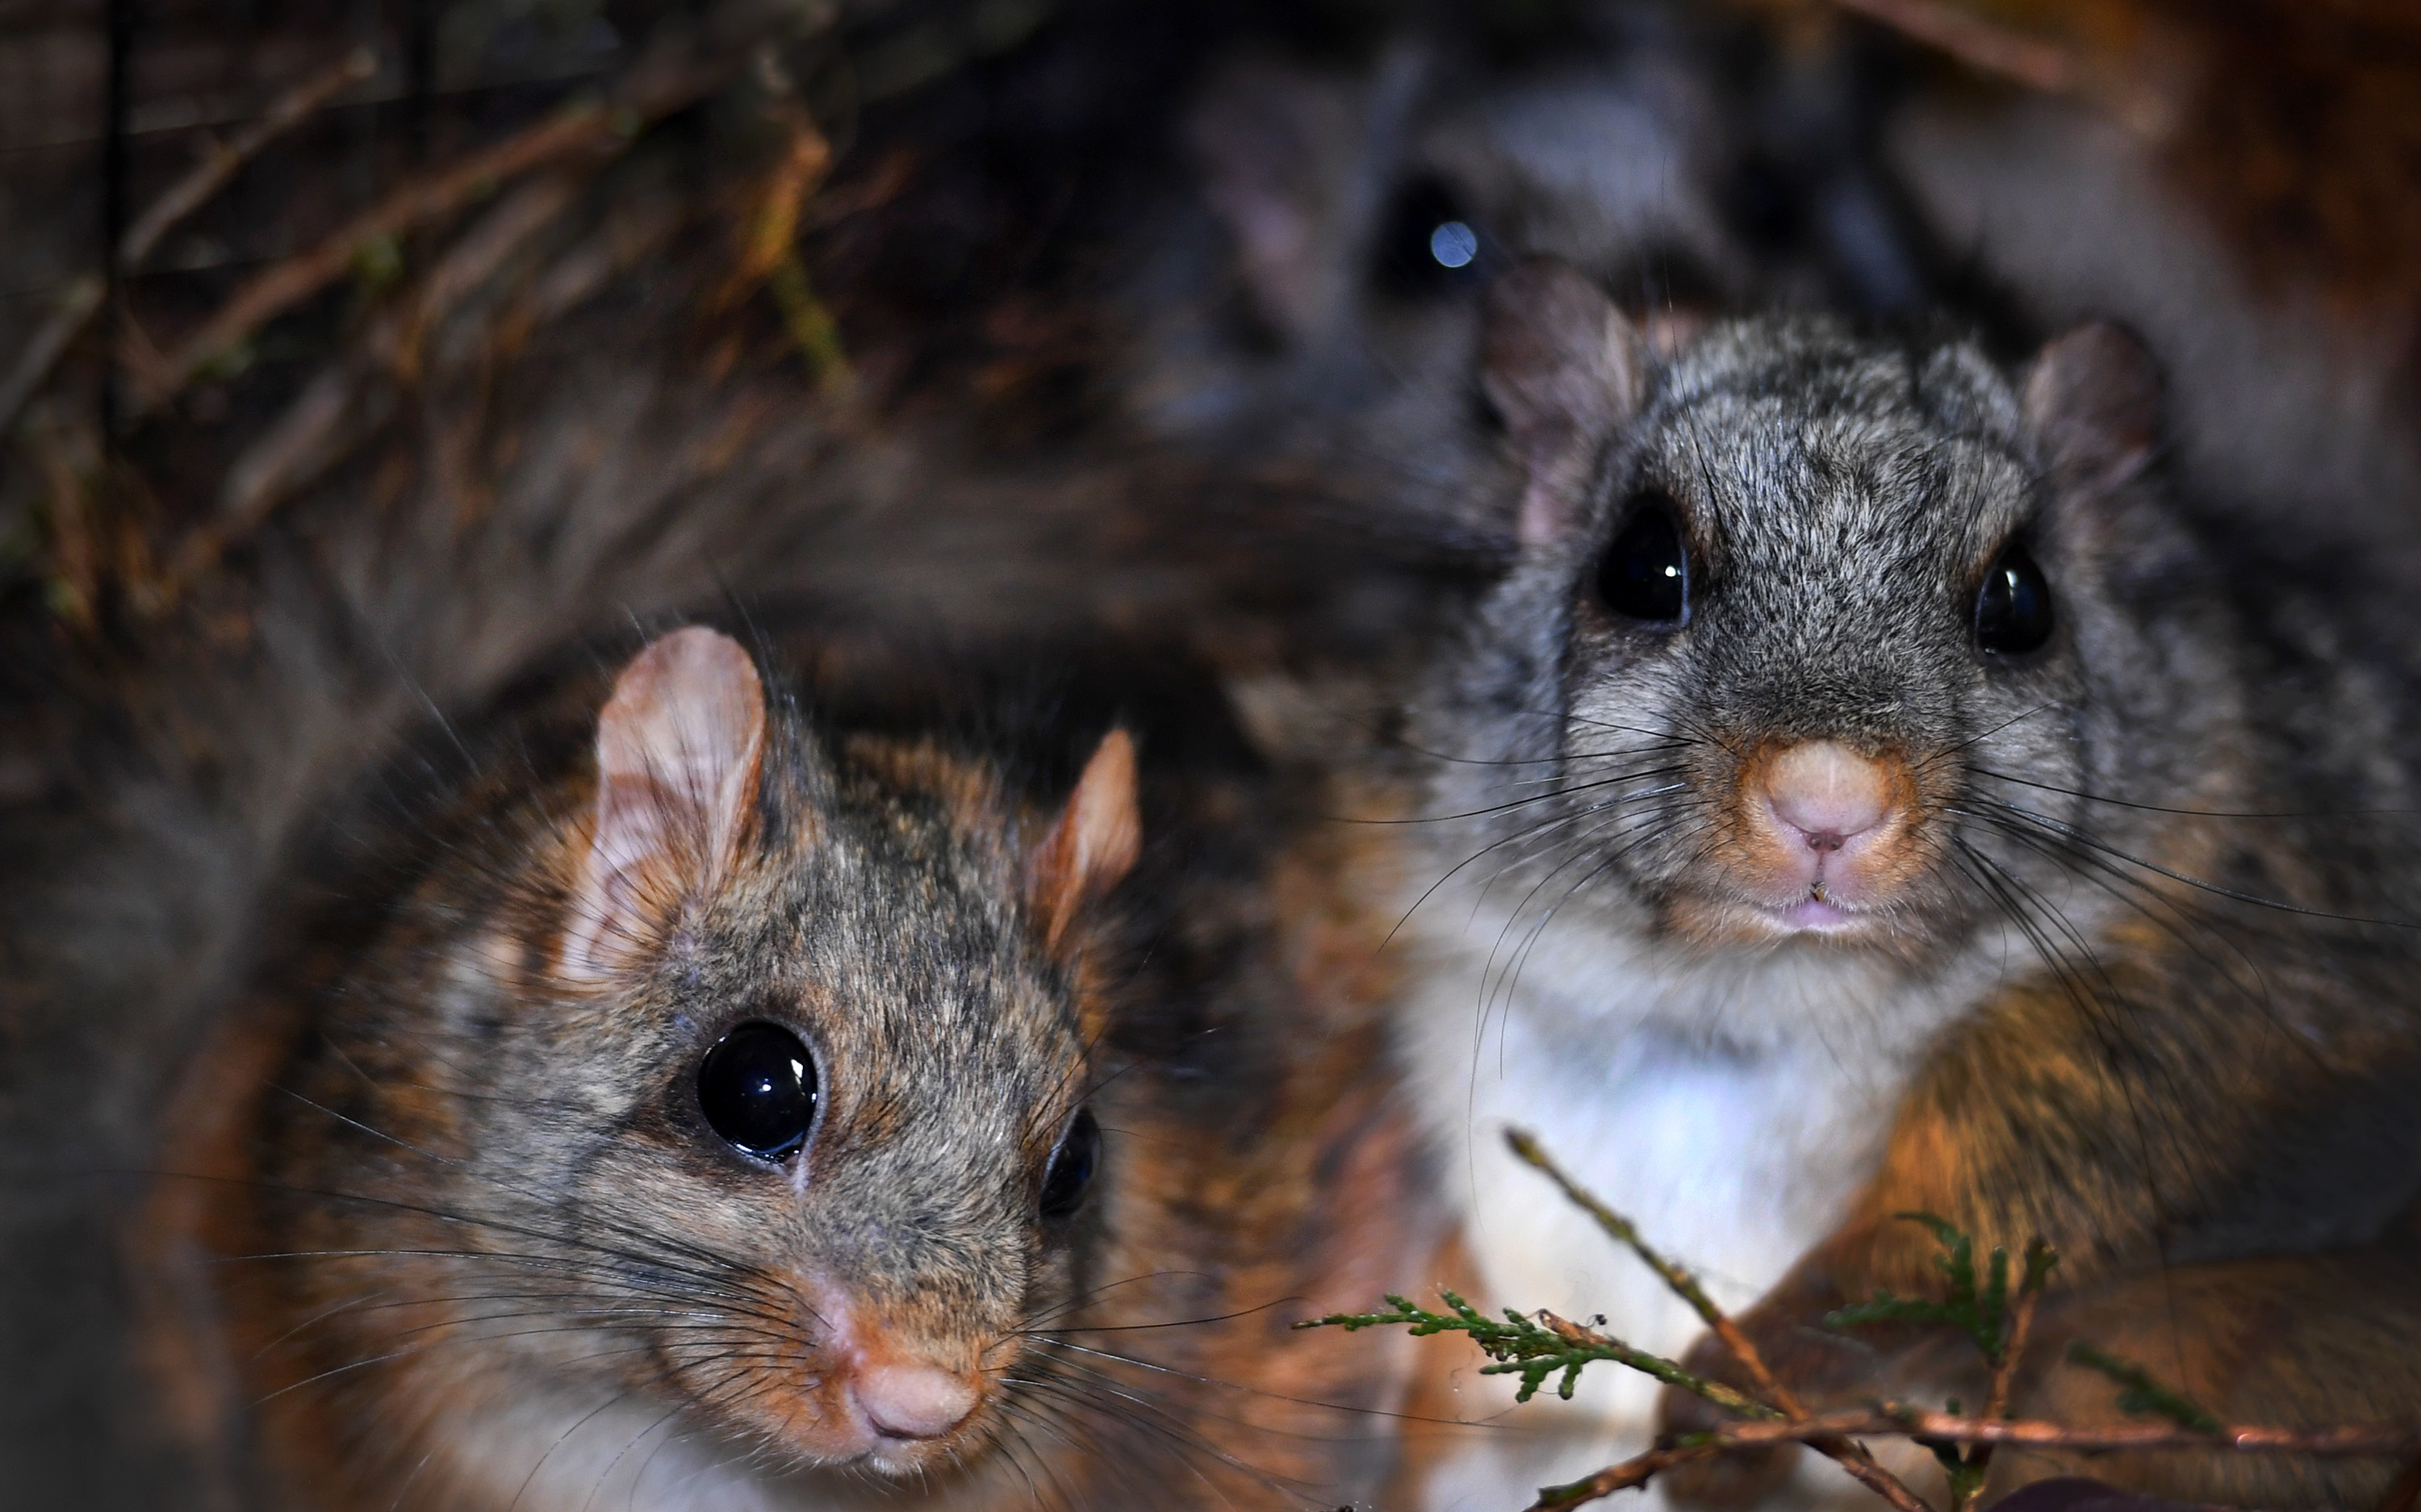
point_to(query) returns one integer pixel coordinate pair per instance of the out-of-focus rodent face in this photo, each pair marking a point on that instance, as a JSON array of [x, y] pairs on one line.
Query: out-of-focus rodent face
[[754, 1094], [1319, 292], [1806, 624], [1320, 297]]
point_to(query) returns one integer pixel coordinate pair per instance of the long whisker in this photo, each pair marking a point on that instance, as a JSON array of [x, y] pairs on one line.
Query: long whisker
[[1511, 839], [2192, 813], [2097, 1017], [1956, 747], [2081, 838], [1176, 1428], [1646, 822], [2174, 917], [1527, 800]]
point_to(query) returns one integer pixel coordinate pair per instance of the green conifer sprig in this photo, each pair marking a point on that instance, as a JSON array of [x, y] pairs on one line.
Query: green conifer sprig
[[2140, 1395], [1980, 1310], [1989, 1305], [1538, 1346]]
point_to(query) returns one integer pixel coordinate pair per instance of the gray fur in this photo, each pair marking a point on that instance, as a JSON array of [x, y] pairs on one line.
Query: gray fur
[[2150, 962]]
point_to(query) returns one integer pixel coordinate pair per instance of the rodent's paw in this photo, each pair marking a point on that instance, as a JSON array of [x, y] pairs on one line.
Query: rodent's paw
[[1820, 1369], [1734, 1479], [1739, 1477]]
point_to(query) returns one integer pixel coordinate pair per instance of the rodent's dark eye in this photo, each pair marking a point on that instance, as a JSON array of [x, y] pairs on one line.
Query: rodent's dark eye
[[2014, 609], [1428, 246], [1645, 575], [1070, 1175], [758, 1089]]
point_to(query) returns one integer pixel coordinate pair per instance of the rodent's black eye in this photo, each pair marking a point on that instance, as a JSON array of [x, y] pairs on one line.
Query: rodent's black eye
[[2014, 609], [758, 1089], [1070, 1174], [1645, 575], [1428, 244]]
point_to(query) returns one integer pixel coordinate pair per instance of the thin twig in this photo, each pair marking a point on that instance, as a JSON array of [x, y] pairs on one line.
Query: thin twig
[[2363, 1440], [1678, 1279], [330, 415], [1851, 1455], [1632, 1473], [43, 350], [1855, 1458], [220, 164], [770, 259], [1536, 1346], [1968, 1472], [1640, 1468], [2021, 1325], [186, 195], [654, 87], [2353, 1440], [1974, 41], [586, 125]]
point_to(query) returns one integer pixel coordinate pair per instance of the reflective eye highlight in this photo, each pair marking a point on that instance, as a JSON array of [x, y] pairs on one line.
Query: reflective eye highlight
[[2013, 613], [757, 1088], [1428, 246], [1645, 574], [1453, 244]]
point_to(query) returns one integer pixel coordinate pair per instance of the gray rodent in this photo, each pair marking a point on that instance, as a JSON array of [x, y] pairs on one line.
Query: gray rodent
[[717, 1107], [1871, 791]]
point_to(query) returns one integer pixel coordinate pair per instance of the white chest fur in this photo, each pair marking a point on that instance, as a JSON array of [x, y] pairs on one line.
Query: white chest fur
[[1730, 1110], [540, 1451]]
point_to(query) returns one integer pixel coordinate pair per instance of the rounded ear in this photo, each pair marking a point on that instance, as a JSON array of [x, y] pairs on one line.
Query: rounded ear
[[2092, 402], [1566, 370], [1278, 148], [1092, 845], [678, 752]]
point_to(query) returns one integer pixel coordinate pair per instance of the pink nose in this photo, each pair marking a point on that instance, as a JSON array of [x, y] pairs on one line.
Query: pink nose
[[911, 1401], [1828, 792]]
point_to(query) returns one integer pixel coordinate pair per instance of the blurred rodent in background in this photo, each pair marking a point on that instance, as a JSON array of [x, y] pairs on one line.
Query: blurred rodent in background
[[697, 1103], [2233, 183]]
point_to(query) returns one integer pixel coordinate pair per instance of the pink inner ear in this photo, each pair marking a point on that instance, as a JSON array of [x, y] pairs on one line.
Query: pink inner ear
[[2093, 400], [1566, 369], [1094, 844], [1275, 144], [677, 752]]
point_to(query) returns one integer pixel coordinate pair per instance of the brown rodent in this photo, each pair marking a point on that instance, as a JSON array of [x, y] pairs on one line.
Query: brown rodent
[[1871, 792], [724, 1110]]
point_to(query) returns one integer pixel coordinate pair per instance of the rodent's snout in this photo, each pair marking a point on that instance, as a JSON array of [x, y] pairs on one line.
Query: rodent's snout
[[870, 1387], [912, 1400], [1827, 792], [1823, 831]]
